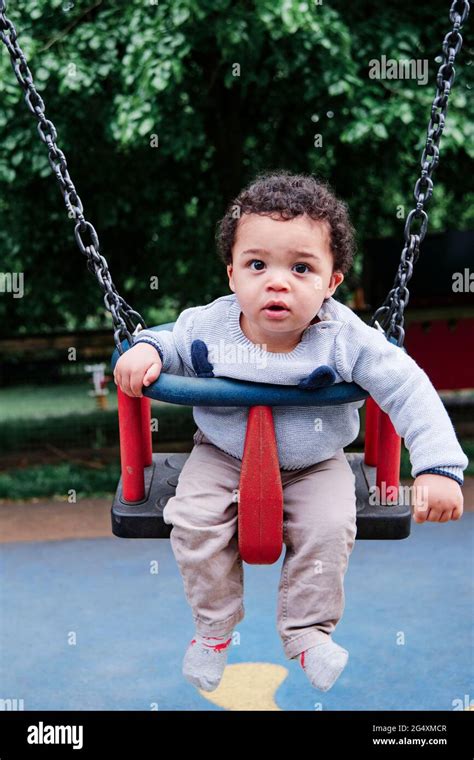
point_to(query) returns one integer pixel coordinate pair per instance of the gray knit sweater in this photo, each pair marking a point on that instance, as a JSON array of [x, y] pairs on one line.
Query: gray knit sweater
[[306, 435]]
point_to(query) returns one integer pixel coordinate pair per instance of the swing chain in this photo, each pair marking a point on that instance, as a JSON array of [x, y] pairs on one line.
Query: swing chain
[[391, 313], [126, 321]]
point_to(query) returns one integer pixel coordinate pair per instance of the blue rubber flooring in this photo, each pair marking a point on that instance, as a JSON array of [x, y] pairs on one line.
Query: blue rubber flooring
[[102, 624]]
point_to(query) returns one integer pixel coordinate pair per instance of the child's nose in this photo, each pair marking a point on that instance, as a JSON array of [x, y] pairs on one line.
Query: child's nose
[[278, 280]]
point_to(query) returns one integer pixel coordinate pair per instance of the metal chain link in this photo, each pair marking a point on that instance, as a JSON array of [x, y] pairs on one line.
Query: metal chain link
[[126, 321], [390, 315]]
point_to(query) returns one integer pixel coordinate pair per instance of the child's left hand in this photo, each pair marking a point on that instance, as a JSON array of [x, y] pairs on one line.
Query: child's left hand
[[437, 498]]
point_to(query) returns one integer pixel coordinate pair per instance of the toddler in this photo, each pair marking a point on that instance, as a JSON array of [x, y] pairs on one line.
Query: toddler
[[287, 242]]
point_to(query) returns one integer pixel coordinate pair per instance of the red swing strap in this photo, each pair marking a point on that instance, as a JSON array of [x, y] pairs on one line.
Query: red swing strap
[[134, 426], [260, 508], [382, 447]]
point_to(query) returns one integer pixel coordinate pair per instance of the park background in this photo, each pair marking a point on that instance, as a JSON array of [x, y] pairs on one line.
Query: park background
[[117, 75]]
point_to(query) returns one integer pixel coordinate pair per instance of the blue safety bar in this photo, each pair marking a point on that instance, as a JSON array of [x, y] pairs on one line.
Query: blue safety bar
[[218, 391]]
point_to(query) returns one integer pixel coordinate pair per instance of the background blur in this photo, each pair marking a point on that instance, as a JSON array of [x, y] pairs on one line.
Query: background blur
[[164, 112]]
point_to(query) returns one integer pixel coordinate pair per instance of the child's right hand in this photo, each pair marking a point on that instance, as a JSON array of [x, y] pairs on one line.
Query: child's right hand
[[140, 365]]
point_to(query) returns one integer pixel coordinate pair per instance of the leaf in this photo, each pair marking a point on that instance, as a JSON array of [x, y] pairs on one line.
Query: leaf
[[146, 127], [381, 131], [338, 88]]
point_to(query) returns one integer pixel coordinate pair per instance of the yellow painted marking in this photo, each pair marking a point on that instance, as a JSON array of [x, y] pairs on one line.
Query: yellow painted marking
[[248, 686]]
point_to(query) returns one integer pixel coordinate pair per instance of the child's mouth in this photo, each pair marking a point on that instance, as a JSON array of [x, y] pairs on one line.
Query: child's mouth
[[276, 312]]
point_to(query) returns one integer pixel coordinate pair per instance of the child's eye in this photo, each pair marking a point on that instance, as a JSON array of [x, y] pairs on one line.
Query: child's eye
[[256, 261], [302, 265]]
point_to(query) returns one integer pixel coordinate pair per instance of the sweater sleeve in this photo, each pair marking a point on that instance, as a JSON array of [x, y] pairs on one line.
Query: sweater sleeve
[[404, 391], [173, 346]]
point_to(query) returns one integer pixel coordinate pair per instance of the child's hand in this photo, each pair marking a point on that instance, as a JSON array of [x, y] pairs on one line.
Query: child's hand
[[437, 498], [140, 365]]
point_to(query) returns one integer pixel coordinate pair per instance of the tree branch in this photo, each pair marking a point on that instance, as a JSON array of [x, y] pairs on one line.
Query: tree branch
[[71, 26]]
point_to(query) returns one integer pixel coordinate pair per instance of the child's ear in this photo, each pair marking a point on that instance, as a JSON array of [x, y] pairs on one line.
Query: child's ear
[[230, 271], [336, 279]]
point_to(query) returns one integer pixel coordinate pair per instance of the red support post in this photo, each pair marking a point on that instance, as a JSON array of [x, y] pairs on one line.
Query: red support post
[[131, 447], [388, 464], [146, 431], [372, 418], [260, 511]]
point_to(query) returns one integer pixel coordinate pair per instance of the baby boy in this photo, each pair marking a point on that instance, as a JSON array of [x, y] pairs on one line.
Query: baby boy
[[287, 242]]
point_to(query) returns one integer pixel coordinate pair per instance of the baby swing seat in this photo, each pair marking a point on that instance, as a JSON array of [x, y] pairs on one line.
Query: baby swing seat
[[149, 480]]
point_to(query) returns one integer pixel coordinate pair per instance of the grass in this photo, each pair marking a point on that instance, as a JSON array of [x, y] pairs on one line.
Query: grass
[[66, 416], [42, 402], [57, 480]]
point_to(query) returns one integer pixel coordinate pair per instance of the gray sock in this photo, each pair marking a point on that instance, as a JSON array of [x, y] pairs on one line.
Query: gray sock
[[205, 660], [324, 663]]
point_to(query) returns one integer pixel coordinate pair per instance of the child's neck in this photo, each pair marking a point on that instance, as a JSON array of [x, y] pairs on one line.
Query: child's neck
[[278, 349]]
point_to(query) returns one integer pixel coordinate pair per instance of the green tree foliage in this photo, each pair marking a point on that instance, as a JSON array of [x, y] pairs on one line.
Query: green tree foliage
[[166, 109]]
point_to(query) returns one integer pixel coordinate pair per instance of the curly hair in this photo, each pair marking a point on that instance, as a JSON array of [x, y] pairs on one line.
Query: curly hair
[[290, 195]]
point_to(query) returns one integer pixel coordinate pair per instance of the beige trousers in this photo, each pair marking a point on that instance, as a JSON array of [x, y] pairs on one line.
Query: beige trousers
[[319, 529]]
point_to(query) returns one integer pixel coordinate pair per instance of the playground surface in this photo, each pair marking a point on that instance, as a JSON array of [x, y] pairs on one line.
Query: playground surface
[[93, 622]]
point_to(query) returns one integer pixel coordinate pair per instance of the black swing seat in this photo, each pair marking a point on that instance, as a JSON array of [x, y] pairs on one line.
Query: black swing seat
[[145, 520]]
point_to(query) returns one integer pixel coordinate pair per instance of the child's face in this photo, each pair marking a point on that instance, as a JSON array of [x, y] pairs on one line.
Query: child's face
[[269, 264]]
